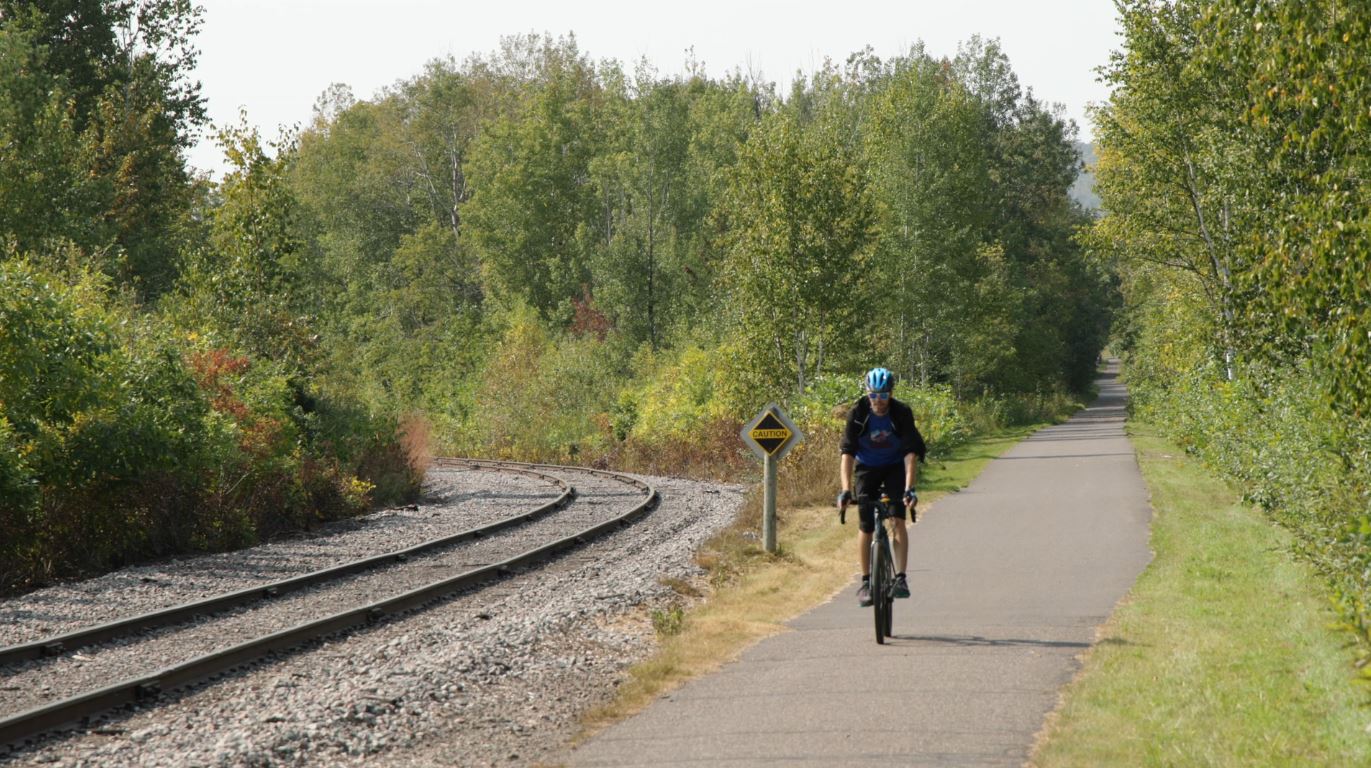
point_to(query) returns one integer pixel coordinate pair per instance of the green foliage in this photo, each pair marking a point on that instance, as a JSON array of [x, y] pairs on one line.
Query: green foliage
[[1273, 430], [126, 439], [543, 395], [913, 210], [100, 409], [52, 340], [529, 254], [678, 397], [982, 287], [45, 189], [657, 182], [1231, 166], [941, 418], [96, 106], [827, 400], [937, 412], [1307, 80], [801, 219], [251, 287], [668, 621], [533, 213], [18, 486]]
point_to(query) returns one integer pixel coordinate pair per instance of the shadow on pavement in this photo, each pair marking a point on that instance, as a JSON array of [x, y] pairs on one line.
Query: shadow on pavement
[[1003, 642]]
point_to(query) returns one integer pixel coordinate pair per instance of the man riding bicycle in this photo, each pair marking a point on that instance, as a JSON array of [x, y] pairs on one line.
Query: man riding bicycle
[[881, 449]]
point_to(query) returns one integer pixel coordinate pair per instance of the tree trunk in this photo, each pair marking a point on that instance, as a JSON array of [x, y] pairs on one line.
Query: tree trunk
[[651, 253], [1221, 271]]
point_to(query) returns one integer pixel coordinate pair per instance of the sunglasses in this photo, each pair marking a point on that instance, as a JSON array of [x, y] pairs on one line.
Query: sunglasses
[[878, 395]]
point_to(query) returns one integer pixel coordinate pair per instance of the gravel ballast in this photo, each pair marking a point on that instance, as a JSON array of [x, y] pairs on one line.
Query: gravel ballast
[[495, 677], [454, 500]]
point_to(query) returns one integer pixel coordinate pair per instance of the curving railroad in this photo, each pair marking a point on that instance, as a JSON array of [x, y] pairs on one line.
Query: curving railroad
[[66, 681]]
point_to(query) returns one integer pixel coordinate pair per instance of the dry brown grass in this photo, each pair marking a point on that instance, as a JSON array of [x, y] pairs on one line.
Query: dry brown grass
[[713, 453], [416, 438]]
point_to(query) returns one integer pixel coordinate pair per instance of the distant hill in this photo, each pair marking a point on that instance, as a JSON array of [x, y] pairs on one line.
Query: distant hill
[[1083, 191]]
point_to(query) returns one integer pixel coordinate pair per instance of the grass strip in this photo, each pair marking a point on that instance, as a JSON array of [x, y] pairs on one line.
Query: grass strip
[[1221, 655], [758, 592]]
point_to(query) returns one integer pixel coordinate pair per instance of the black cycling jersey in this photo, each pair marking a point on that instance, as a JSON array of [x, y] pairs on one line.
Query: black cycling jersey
[[902, 419]]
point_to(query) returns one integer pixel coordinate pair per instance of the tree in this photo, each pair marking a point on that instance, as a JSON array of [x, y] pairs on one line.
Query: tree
[[1172, 162], [930, 167], [532, 214], [46, 192], [801, 220], [642, 187], [1305, 121], [122, 69], [251, 285]]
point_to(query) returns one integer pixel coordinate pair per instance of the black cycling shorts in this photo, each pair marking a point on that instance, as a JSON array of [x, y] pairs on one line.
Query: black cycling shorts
[[868, 482]]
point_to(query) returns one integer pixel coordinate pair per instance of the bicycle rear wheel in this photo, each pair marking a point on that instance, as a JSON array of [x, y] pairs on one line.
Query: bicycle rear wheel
[[881, 575]]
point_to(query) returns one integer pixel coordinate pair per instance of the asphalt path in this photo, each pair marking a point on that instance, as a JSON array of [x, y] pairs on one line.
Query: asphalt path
[[1010, 577]]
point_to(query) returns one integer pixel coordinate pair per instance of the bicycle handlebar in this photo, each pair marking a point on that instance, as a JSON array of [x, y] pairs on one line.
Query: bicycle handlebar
[[842, 510]]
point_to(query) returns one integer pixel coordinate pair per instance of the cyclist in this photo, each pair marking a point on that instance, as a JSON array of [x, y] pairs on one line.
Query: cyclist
[[881, 449]]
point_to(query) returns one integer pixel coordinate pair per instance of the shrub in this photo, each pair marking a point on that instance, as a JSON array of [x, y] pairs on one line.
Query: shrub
[[544, 396], [668, 621], [122, 438], [936, 411], [680, 396]]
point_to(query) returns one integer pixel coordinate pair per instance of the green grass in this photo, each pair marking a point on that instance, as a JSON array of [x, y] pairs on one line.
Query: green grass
[[1223, 652]]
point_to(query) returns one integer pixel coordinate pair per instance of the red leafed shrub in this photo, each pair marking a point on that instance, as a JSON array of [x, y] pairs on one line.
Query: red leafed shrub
[[211, 369], [588, 320]]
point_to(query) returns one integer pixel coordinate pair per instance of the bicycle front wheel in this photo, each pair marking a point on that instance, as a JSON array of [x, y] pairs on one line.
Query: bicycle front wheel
[[881, 577]]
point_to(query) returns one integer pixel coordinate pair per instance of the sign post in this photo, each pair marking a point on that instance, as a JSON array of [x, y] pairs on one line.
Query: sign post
[[770, 434]]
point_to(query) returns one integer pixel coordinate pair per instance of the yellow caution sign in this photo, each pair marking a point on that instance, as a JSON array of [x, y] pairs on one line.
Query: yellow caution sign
[[770, 433]]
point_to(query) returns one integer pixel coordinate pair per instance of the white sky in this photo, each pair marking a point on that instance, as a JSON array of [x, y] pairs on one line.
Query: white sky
[[274, 57]]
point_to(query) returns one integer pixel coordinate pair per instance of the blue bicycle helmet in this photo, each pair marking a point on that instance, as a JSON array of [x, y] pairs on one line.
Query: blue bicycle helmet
[[879, 380]]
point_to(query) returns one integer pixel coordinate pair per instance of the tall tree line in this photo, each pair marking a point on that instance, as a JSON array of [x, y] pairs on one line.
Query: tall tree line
[[1233, 155], [160, 350], [912, 211]]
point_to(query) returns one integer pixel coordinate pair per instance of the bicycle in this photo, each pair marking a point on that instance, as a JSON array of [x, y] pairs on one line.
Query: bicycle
[[882, 566]]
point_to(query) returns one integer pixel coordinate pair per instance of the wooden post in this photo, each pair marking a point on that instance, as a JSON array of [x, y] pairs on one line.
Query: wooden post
[[769, 505]]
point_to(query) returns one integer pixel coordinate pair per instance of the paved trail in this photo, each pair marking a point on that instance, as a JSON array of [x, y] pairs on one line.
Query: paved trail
[[1010, 577]]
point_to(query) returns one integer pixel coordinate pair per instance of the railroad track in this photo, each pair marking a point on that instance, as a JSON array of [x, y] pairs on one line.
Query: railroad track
[[209, 637]]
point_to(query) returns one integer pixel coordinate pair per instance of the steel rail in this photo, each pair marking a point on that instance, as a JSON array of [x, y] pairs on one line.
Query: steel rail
[[29, 724], [100, 633], [448, 461]]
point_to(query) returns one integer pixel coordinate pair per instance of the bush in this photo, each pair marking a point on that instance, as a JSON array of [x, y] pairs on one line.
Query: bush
[[107, 426], [122, 438], [936, 411], [677, 397], [544, 396], [992, 412]]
